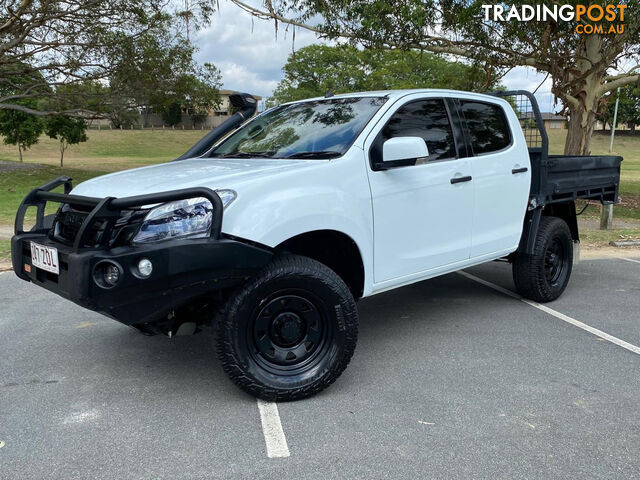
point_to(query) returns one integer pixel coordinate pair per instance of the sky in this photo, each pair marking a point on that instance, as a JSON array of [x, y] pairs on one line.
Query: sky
[[250, 56]]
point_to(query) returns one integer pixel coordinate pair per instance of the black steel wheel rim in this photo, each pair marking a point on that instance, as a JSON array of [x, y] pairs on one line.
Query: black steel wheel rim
[[290, 333], [554, 261]]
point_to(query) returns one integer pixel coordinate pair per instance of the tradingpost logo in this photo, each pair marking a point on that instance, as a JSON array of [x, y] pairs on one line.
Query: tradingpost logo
[[602, 19]]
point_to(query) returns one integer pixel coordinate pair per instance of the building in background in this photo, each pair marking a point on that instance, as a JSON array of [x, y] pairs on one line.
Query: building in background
[[147, 118], [223, 110], [550, 120], [553, 121], [215, 118]]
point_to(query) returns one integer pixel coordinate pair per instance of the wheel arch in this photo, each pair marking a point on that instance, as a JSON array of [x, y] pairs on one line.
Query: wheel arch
[[564, 210], [333, 248]]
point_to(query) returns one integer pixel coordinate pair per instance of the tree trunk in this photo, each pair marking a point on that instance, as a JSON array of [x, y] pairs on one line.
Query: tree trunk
[[582, 119], [20, 152], [583, 106], [62, 148], [585, 97]]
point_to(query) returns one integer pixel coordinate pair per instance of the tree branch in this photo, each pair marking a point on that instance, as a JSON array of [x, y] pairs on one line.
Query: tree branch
[[433, 44], [622, 75], [618, 82], [272, 15], [74, 112], [13, 16]]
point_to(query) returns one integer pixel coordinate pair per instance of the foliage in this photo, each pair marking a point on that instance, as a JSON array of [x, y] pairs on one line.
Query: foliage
[[628, 107], [101, 46], [164, 78], [20, 128], [122, 115], [582, 66], [171, 113], [317, 69], [69, 131]]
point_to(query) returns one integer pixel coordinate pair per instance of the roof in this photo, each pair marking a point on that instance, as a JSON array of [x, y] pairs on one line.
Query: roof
[[395, 94], [551, 116], [544, 115], [229, 92]]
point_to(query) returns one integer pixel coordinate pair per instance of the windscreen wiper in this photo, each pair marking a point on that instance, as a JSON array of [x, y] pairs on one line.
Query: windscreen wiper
[[248, 155], [317, 154]]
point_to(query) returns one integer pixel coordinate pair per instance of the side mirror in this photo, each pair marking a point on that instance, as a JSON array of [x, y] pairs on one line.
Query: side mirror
[[403, 151]]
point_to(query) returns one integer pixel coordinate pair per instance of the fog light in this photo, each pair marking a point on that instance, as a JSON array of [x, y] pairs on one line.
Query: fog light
[[111, 275], [145, 267], [107, 274]]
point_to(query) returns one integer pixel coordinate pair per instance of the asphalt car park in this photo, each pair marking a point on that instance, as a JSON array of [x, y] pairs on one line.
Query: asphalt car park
[[452, 378]]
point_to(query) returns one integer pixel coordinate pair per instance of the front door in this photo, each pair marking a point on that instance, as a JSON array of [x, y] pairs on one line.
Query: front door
[[422, 213]]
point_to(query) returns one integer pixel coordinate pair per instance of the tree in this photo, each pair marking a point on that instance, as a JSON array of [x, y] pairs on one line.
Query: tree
[[162, 77], [171, 113], [628, 107], [20, 128], [317, 69], [193, 14], [202, 93], [583, 67], [122, 114], [58, 44], [69, 131]]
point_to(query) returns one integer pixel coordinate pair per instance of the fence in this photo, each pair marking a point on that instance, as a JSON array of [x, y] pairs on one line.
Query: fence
[[154, 122], [151, 128]]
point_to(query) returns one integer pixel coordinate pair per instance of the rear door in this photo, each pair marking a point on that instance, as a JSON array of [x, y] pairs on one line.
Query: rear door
[[501, 176], [422, 213]]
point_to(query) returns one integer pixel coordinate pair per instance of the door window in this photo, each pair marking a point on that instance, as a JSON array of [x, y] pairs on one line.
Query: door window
[[487, 125], [427, 119]]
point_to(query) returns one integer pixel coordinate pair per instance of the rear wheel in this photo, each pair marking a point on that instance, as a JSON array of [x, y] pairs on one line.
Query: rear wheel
[[543, 275], [289, 332]]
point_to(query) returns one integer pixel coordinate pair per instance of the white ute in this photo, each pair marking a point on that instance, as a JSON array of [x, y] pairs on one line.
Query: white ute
[[325, 201]]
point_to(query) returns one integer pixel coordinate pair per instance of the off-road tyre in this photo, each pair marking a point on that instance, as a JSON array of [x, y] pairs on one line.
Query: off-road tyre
[[543, 275], [289, 332]]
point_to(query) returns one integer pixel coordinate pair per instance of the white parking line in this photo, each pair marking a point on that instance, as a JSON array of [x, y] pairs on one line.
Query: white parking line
[[272, 429], [561, 316], [628, 259]]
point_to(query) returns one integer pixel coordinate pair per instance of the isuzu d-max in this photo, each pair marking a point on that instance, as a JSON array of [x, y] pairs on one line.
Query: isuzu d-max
[[271, 227]]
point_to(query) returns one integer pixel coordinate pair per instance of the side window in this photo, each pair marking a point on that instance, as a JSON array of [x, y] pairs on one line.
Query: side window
[[487, 125], [427, 119]]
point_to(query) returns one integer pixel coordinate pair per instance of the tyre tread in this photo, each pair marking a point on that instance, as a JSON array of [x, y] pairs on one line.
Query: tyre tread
[[528, 270], [282, 267]]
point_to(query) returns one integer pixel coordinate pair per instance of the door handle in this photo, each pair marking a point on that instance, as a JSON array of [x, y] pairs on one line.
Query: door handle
[[519, 170], [460, 179]]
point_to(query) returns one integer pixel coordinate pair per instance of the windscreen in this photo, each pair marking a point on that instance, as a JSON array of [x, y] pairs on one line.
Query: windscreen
[[315, 129]]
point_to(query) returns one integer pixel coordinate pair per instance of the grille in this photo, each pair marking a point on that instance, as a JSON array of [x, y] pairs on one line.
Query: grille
[[68, 223], [69, 220]]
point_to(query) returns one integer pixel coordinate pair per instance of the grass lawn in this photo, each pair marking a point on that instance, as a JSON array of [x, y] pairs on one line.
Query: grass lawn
[[5, 250], [15, 185], [625, 146], [603, 237], [108, 151]]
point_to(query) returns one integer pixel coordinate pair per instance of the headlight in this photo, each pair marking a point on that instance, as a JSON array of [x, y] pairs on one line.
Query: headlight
[[184, 218]]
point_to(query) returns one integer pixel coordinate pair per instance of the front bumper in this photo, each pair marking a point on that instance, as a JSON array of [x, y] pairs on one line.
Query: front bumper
[[183, 270]]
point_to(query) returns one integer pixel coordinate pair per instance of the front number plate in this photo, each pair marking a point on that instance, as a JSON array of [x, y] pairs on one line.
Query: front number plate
[[45, 258]]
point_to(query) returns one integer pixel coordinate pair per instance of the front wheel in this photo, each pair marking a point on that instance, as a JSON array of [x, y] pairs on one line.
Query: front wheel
[[289, 332], [543, 275]]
